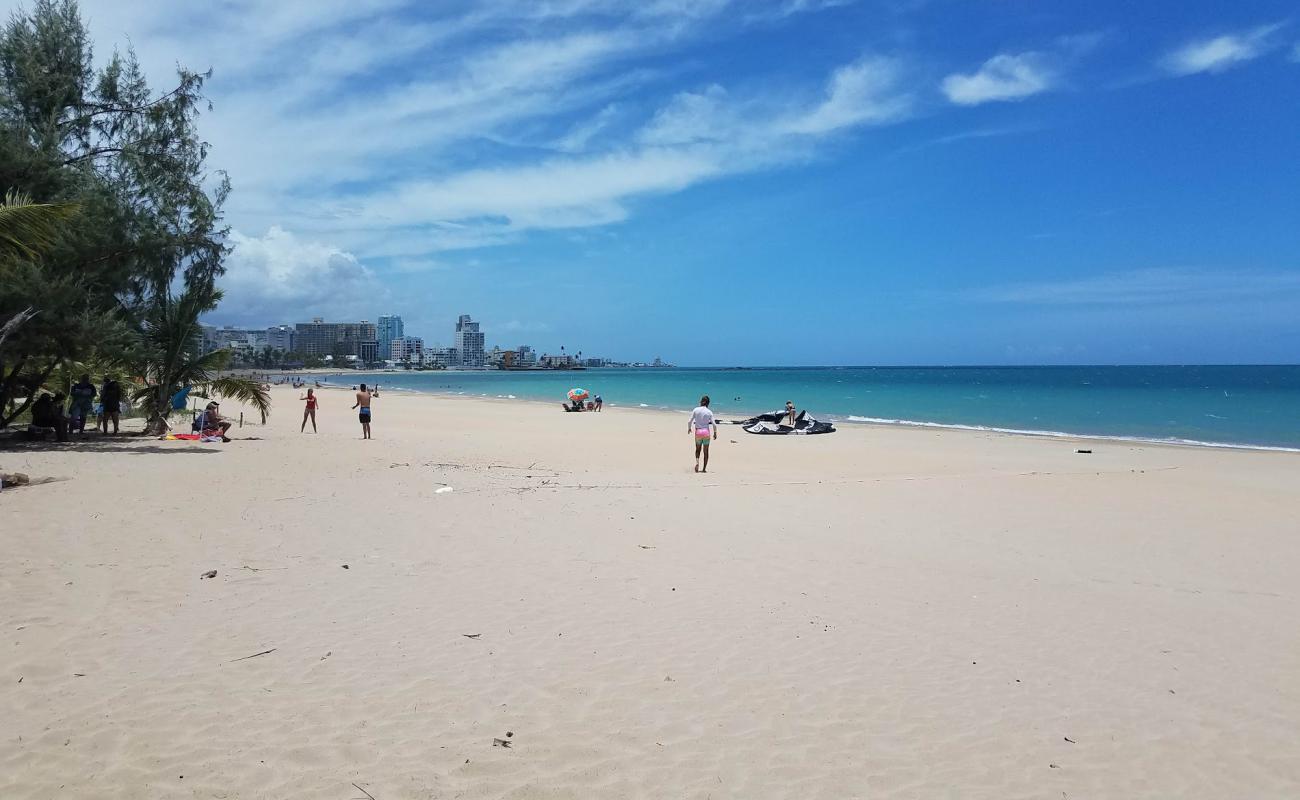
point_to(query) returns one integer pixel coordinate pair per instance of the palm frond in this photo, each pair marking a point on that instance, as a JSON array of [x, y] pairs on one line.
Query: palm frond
[[242, 389], [27, 228]]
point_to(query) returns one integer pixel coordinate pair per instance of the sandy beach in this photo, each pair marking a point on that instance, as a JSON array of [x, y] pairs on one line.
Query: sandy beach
[[877, 613]]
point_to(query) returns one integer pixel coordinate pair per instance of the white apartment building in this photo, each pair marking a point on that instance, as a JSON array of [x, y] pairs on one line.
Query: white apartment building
[[407, 348], [469, 342]]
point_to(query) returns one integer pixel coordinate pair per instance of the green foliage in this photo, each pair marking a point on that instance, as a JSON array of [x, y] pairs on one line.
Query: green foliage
[[133, 164], [170, 357]]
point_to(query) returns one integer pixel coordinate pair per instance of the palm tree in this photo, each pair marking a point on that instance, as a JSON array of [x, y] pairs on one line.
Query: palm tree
[[172, 359]]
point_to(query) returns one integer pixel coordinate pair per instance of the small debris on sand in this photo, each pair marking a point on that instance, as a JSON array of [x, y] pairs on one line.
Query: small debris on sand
[[212, 573]]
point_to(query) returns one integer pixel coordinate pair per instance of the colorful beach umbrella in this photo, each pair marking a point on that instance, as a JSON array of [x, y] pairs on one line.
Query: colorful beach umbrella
[[578, 394]]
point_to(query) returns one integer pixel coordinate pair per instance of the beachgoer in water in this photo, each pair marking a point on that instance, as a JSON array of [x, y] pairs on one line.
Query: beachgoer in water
[[701, 426], [363, 403], [110, 396], [83, 400], [309, 411]]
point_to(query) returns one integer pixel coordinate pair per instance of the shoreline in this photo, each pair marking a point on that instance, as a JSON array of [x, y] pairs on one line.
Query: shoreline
[[854, 421]]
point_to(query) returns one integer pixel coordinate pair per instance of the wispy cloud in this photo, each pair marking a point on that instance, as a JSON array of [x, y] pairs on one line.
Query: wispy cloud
[[1220, 52], [696, 136], [786, 8], [966, 136], [1150, 287], [1002, 77]]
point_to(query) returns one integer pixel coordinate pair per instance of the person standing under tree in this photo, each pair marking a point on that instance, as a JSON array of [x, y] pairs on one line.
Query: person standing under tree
[[111, 398], [701, 426], [83, 401], [363, 403]]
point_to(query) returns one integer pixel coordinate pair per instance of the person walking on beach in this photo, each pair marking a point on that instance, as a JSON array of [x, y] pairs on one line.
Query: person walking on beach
[[703, 427], [309, 411], [599, 402], [789, 413], [363, 403]]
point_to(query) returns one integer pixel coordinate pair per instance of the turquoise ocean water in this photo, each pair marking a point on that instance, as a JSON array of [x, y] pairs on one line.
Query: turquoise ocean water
[[1232, 405]]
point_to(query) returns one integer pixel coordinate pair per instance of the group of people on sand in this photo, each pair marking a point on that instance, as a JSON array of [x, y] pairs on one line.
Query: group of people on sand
[[48, 411], [596, 403]]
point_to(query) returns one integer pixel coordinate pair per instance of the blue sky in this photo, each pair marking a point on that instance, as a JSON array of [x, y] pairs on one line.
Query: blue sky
[[784, 182]]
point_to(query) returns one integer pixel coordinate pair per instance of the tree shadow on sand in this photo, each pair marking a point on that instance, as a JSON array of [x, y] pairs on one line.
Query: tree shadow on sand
[[127, 443]]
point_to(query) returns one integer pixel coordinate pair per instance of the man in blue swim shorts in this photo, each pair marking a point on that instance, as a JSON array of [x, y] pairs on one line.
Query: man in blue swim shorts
[[363, 402]]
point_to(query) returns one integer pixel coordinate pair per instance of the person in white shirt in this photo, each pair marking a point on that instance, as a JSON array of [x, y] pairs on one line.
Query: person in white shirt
[[703, 428]]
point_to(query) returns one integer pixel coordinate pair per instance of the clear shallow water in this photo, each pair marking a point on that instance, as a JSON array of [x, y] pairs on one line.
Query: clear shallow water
[[1257, 406]]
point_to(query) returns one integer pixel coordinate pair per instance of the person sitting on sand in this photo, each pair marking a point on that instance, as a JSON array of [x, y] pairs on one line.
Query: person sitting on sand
[[213, 423], [309, 411], [700, 426], [47, 412]]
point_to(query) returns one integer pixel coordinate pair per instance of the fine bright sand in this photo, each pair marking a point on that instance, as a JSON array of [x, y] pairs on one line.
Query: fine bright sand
[[877, 613]]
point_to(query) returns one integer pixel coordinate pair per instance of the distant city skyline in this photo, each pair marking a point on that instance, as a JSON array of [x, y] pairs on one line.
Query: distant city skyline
[[388, 341], [781, 182]]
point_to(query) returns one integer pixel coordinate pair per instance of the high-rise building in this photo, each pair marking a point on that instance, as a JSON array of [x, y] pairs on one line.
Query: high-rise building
[[229, 338], [321, 338], [441, 357], [407, 348], [525, 356], [469, 342], [280, 337], [389, 328]]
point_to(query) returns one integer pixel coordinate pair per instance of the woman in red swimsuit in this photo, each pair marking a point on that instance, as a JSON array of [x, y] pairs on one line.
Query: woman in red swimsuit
[[309, 411]]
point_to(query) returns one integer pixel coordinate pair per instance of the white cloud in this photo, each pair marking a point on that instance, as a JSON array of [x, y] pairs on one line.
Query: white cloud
[[1221, 52], [1003, 77], [278, 273], [862, 93]]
